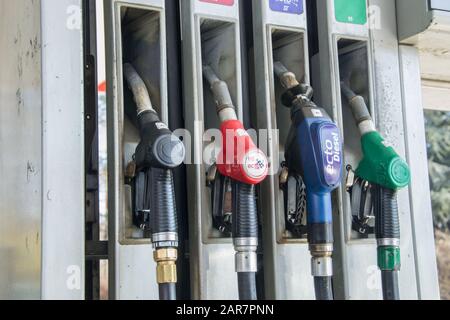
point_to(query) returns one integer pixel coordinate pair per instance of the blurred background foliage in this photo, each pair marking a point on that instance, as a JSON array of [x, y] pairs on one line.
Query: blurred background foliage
[[438, 145], [437, 125]]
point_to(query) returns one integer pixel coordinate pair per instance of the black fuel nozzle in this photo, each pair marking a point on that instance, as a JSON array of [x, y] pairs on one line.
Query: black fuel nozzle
[[158, 153], [158, 147]]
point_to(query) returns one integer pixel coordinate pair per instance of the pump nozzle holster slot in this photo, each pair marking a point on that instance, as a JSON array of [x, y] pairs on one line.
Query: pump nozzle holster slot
[[383, 168], [157, 154], [244, 165]]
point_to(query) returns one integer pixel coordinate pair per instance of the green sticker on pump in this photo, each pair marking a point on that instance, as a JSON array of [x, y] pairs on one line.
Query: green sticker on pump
[[351, 11]]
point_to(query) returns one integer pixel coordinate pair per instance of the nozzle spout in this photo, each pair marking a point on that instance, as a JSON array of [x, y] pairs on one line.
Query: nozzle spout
[[137, 86], [287, 78], [359, 109], [347, 92], [210, 75], [221, 93]]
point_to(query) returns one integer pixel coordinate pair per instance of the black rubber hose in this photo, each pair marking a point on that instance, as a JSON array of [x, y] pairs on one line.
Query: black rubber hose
[[387, 226], [168, 292], [245, 225], [163, 208], [245, 219], [387, 223], [247, 286], [389, 281], [164, 218], [324, 288]]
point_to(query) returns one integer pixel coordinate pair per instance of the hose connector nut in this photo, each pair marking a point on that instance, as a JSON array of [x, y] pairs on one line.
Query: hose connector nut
[[322, 266], [246, 259], [166, 269], [246, 262], [289, 80]]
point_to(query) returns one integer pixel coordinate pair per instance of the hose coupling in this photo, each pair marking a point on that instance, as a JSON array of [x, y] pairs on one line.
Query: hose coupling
[[221, 93], [166, 269], [289, 80], [388, 242], [165, 240], [321, 250], [322, 261], [246, 258], [302, 100], [322, 266], [389, 258], [366, 126]]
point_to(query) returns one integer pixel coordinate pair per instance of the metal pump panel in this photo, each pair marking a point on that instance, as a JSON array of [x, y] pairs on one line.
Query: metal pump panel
[[135, 33], [365, 56], [211, 36], [280, 34]]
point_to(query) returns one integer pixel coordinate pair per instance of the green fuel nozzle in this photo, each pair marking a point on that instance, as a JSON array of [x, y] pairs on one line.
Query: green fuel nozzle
[[381, 165], [386, 172]]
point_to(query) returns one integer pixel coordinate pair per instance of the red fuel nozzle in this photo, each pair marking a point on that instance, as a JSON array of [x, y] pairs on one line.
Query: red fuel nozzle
[[246, 166], [240, 159]]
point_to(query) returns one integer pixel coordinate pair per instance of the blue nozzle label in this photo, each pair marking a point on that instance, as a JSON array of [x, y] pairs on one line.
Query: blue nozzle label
[[331, 153], [287, 6]]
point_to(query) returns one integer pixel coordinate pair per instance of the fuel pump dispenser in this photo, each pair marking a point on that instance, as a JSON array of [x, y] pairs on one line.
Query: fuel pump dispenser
[[280, 33], [141, 153], [211, 32], [158, 153], [381, 172], [246, 166], [314, 152], [353, 48]]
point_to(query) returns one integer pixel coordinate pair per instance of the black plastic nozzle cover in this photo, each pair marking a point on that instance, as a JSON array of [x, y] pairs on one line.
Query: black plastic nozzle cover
[[158, 147]]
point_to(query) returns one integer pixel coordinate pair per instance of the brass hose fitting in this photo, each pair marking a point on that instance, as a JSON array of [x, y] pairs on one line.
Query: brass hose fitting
[[166, 270]]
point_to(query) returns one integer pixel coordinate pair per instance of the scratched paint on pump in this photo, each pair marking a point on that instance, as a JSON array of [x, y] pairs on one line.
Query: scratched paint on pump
[[351, 11], [221, 2], [287, 6]]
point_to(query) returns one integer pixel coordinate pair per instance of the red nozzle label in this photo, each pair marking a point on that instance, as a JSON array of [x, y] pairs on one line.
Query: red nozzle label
[[255, 164]]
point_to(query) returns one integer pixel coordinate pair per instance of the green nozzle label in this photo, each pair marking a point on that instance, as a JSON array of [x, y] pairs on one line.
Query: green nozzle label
[[389, 258], [351, 11], [400, 172]]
